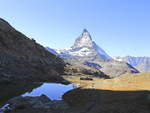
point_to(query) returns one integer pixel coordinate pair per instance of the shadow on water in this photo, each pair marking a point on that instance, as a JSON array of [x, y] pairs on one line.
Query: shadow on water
[[106, 101], [16, 89]]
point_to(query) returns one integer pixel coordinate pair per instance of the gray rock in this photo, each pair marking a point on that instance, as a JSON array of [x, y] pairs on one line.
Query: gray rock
[[28, 101], [58, 105], [1, 111], [5, 108], [40, 102]]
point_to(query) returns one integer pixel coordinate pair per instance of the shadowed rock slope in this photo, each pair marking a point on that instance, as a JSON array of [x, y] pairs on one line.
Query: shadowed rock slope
[[22, 58]]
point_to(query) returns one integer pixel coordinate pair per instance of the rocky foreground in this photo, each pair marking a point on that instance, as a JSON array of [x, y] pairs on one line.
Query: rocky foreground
[[117, 95], [40, 102], [85, 101]]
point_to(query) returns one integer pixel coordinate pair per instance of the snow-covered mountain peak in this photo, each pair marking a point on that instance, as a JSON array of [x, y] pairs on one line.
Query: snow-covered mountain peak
[[84, 47], [84, 40], [86, 35]]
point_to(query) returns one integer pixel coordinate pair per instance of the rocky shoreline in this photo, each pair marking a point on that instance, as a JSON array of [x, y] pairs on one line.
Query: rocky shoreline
[[39, 102]]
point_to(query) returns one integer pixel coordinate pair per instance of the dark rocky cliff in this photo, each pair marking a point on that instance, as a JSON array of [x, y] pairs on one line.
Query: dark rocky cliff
[[22, 58]]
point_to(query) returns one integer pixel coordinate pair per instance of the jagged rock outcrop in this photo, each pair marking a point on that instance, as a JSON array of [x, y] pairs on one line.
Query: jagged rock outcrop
[[23, 58], [84, 40]]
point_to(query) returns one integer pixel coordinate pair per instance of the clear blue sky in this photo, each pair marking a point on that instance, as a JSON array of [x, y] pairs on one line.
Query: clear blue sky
[[120, 27]]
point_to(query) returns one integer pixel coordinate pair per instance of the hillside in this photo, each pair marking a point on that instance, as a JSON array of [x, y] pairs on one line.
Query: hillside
[[84, 71], [123, 83], [23, 58]]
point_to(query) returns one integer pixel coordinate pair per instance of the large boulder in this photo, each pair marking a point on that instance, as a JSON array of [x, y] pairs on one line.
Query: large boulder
[[39, 102]]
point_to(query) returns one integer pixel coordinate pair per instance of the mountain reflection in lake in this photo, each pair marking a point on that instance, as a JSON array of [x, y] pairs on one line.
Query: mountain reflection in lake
[[54, 91]]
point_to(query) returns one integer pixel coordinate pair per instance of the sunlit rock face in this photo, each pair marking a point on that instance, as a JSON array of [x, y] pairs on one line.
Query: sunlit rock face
[[84, 40]]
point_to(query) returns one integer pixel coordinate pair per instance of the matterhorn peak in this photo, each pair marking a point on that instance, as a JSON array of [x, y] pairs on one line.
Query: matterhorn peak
[[84, 40], [85, 30], [84, 43], [85, 34]]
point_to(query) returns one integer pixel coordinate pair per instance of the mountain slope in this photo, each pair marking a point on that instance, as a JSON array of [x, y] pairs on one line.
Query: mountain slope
[[86, 52], [23, 58], [140, 63]]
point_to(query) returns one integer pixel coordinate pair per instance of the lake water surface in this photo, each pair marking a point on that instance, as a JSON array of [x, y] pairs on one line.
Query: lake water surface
[[54, 91]]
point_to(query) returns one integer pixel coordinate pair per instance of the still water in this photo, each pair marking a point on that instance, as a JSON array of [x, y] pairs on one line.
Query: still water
[[54, 91]]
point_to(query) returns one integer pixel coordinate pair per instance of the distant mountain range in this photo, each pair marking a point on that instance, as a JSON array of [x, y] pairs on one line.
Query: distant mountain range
[[86, 52], [140, 63]]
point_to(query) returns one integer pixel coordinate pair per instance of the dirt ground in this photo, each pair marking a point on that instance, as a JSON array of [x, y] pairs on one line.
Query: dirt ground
[[133, 82]]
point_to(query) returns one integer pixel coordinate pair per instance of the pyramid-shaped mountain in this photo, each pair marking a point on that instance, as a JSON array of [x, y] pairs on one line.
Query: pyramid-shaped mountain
[[85, 48], [86, 52]]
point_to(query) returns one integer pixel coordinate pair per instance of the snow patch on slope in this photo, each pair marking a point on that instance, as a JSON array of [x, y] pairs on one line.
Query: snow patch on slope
[[118, 59], [82, 52]]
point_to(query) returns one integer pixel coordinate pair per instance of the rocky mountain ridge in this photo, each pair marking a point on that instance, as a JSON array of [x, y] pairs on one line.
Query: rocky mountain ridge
[[140, 63]]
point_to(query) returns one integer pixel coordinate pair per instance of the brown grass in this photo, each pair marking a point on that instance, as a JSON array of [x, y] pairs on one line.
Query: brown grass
[[126, 82]]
